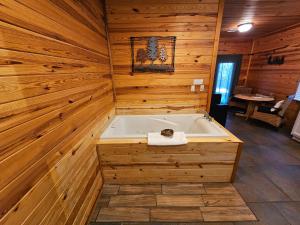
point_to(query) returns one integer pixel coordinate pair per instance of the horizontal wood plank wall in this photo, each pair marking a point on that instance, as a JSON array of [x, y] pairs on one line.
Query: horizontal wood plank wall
[[193, 22], [195, 162], [55, 97], [281, 80], [234, 47]]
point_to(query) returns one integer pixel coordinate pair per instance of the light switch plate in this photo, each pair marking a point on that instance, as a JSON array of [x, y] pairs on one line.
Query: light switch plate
[[198, 81]]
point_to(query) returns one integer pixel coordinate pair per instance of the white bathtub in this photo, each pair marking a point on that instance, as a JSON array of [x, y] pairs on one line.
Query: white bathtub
[[138, 126]]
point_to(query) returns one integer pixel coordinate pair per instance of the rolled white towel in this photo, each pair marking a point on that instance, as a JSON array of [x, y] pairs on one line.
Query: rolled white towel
[[157, 139]]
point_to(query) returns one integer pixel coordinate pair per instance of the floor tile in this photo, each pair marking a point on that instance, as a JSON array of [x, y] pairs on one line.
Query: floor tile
[[254, 186], [123, 214], [94, 214], [219, 188], [290, 211], [183, 189], [132, 200], [217, 223], [103, 201], [179, 200], [150, 223], [287, 178], [240, 213], [267, 178], [105, 223], [153, 223], [176, 214], [208, 223], [274, 155], [223, 200], [140, 189], [110, 189], [267, 214]]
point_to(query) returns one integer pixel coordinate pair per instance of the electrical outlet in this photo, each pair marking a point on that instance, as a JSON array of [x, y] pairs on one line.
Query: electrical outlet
[[202, 87], [193, 89]]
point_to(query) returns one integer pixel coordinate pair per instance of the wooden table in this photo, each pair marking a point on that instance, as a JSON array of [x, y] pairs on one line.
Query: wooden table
[[252, 99]]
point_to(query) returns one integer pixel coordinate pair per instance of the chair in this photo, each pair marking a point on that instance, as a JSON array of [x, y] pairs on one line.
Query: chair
[[238, 104], [276, 119]]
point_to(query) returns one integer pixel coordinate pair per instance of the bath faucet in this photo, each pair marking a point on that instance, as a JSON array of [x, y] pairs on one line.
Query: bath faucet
[[207, 116]]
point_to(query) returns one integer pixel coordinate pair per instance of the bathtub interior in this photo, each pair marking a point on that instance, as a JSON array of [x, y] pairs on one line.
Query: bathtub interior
[[138, 126]]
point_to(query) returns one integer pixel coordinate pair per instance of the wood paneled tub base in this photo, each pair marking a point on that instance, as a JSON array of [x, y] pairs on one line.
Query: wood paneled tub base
[[211, 155]]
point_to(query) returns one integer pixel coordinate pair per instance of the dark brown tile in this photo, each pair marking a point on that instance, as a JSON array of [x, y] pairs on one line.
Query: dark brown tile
[[103, 201], [254, 186], [110, 189], [287, 178], [217, 223], [290, 210], [266, 214], [207, 223], [105, 223], [149, 223], [99, 203], [174, 223], [94, 214]]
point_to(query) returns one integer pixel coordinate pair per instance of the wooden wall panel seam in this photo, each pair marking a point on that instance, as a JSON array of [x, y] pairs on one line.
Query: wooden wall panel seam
[[215, 53], [250, 61], [109, 51], [55, 63], [11, 8], [40, 37]]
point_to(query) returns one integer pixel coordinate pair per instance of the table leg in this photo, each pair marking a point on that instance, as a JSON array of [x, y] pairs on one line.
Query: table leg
[[250, 109]]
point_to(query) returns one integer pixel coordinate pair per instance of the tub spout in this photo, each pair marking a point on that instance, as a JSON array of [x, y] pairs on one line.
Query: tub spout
[[207, 116]]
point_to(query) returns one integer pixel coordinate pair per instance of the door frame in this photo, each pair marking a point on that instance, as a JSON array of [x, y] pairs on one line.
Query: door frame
[[236, 58]]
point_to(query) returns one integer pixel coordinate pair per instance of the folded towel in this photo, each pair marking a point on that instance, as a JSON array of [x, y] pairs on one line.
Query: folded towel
[[178, 138]]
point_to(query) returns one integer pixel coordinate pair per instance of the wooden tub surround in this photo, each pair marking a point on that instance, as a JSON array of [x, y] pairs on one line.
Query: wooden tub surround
[[203, 159]]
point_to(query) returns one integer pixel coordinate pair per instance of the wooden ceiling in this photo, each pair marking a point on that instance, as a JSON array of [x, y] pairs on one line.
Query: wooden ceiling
[[267, 16]]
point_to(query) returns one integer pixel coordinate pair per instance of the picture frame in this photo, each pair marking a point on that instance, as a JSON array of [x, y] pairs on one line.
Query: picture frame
[[153, 54]]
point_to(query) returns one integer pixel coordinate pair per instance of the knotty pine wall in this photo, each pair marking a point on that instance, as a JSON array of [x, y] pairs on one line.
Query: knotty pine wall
[[237, 47], [55, 96], [281, 80], [194, 23]]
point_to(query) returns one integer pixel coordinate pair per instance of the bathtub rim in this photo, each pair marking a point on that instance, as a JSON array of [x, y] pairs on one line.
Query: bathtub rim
[[230, 138]]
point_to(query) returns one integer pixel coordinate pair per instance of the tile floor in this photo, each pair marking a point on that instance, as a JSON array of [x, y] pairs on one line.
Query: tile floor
[[171, 203], [268, 178]]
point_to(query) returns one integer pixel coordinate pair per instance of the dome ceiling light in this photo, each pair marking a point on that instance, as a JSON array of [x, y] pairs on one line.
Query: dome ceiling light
[[244, 27]]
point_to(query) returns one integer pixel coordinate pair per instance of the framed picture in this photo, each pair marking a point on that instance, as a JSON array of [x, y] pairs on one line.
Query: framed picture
[[153, 54]]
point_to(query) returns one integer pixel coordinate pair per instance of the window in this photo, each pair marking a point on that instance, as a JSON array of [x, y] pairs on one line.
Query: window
[[224, 80]]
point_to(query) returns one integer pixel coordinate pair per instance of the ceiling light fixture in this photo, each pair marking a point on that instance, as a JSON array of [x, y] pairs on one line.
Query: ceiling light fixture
[[244, 27], [232, 30]]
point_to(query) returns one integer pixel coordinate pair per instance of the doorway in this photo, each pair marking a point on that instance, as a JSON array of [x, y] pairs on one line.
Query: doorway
[[226, 76]]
